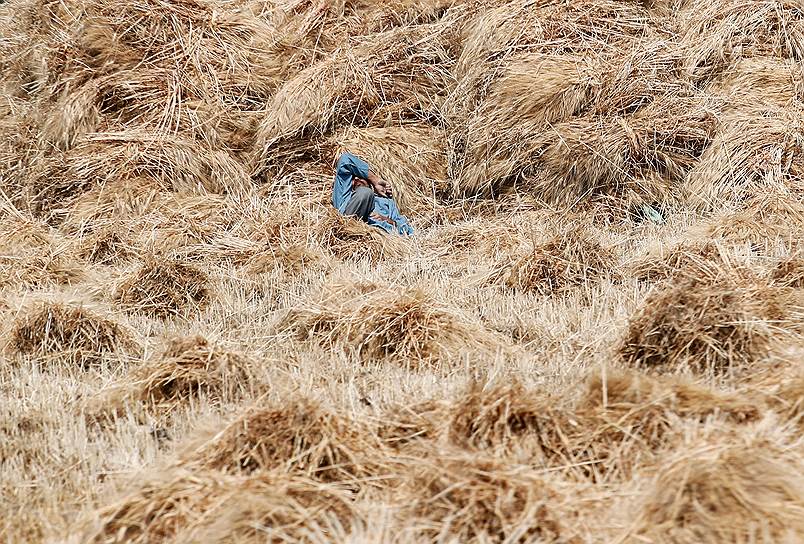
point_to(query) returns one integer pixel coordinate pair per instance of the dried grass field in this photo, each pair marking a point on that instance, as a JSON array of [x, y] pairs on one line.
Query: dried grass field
[[195, 347]]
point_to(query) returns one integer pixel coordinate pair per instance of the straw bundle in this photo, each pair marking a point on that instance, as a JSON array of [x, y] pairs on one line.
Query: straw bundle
[[789, 273], [295, 436], [664, 262], [56, 331], [779, 82], [706, 324], [163, 288], [754, 149], [349, 238], [502, 418], [294, 259], [189, 367], [411, 157], [475, 499], [190, 506], [401, 67], [406, 326], [571, 258], [716, 34], [629, 420], [729, 492]]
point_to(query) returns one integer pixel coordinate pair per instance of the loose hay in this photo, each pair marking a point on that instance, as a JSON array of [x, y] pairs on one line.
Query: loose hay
[[707, 325], [69, 333], [298, 437], [726, 492], [185, 506], [164, 288], [471, 499], [403, 325]]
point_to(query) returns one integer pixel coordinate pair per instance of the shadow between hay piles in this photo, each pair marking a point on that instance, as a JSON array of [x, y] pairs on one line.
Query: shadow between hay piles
[[709, 325], [738, 490], [192, 506], [297, 436], [63, 333], [402, 325], [163, 288]]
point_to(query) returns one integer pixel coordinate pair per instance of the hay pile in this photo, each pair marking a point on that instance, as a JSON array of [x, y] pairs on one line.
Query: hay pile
[[208, 505], [68, 333], [189, 368], [471, 499], [736, 491], [164, 288], [707, 324], [404, 325], [572, 257], [299, 437]]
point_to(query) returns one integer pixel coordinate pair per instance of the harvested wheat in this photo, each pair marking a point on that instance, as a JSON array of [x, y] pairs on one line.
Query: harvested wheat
[[164, 288], [56, 331]]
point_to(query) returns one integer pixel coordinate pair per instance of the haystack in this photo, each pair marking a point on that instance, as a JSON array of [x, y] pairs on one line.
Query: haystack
[[60, 331], [192, 506], [403, 325], [164, 288], [349, 238], [294, 259], [690, 256], [189, 368], [503, 418], [736, 491], [297, 436], [405, 68], [629, 420], [706, 324], [478, 499], [574, 256], [718, 34], [755, 150]]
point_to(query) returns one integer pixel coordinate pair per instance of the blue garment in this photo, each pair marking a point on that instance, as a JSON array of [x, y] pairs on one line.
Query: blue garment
[[350, 167]]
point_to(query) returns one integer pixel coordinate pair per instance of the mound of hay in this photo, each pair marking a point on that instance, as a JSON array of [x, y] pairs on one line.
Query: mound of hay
[[190, 367], [628, 420], [726, 492], [349, 238], [56, 331], [780, 384], [403, 325], [191, 506], [789, 273], [164, 288], [503, 417], [33, 255], [298, 437], [475, 499], [571, 258], [705, 324], [401, 70], [294, 259], [401, 426], [686, 257]]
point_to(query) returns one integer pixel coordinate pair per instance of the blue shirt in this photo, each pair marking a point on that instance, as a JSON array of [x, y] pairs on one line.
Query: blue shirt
[[350, 167]]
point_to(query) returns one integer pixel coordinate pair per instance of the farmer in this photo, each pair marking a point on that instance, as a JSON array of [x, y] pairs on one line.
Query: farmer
[[359, 192]]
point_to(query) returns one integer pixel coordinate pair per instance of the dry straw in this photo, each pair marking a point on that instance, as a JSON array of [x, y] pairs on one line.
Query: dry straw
[[164, 288], [69, 334], [403, 325], [706, 324]]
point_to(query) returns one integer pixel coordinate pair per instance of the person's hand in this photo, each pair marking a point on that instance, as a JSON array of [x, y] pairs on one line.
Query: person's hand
[[383, 188]]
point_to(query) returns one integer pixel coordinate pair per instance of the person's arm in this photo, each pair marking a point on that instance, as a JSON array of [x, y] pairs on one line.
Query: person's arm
[[380, 186], [348, 168]]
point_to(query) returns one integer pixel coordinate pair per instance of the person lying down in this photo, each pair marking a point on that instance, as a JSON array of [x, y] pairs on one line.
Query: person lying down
[[360, 193]]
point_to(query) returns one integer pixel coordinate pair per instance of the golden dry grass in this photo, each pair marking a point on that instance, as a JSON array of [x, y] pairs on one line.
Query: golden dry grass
[[197, 348]]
